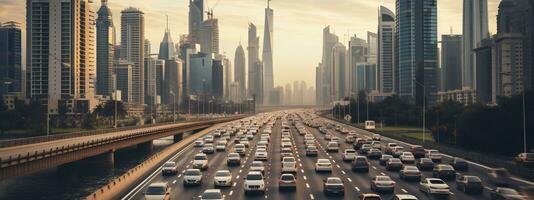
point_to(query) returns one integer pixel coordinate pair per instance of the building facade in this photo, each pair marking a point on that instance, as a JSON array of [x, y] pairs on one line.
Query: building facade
[[253, 58], [386, 51], [240, 72], [267, 56], [339, 72], [196, 17], [11, 76], [124, 79], [209, 36], [105, 50], [133, 50], [475, 28], [451, 62]]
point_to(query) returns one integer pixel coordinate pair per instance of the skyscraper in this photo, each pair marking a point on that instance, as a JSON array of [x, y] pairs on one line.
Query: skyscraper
[[253, 59], [356, 54], [105, 50], [154, 79], [416, 28], [209, 36], [386, 51], [339, 72], [451, 62], [196, 17], [173, 89], [329, 40], [227, 76], [475, 28], [123, 79], [267, 57], [133, 49], [59, 71], [200, 74], [240, 71], [166, 47], [372, 48], [10, 58], [217, 80]]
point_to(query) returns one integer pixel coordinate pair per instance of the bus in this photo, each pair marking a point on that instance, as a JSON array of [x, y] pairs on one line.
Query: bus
[[370, 125]]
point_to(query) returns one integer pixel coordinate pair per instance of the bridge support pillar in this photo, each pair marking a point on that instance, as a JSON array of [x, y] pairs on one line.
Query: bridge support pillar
[[102, 161], [146, 146], [178, 137]]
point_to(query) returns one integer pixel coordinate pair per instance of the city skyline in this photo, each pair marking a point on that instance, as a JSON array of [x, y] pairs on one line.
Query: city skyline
[[352, 16]]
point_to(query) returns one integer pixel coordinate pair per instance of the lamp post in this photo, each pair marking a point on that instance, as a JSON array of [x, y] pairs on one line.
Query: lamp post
[[524, 124], [173, 106], [424, 107]]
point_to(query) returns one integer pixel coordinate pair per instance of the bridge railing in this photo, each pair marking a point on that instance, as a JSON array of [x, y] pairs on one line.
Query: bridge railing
[[40, 139]]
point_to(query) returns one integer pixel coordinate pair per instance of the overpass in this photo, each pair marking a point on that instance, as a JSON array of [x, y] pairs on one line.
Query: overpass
[[39, 154]]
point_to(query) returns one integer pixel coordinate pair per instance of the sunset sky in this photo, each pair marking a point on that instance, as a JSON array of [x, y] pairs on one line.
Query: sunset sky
[[298, 25]]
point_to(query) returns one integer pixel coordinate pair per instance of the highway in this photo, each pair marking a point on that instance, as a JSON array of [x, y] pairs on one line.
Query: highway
[[309, 182]]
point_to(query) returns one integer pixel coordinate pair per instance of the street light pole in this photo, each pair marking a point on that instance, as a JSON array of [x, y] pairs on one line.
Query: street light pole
[[524, 125], [424, 107], [173, 106]]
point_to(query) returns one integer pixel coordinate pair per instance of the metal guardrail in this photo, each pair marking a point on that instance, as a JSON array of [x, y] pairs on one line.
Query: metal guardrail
[[40, 139], [32, 156]]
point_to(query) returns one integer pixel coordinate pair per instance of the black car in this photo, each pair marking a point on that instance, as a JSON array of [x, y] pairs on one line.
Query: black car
[[333, 186], [425, 164], [443, 171], [459, 164], [469, 184], [360, 163]]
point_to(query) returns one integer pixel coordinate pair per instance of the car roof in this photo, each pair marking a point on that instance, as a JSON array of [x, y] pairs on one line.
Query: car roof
[[212, 191], [254, 172], [158, 184], [402, 196]]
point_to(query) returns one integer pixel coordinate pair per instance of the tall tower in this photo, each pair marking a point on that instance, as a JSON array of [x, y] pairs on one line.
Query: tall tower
[[105, 50], [209, 36], [11, 58], [59, 71], [267, 57], [166, 47], [416, 29], [386, 50], [339, 72], [240, 71], [329, 40], [196, 17], [253, 57], [475, 28], [132, 44]]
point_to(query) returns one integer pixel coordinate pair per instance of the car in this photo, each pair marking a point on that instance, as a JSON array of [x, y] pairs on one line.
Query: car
[[425, 164], [208, 139], [350, 139], [459, 164], [169, 168], [233, 159], [309, 143], [323, 165], [376, 137], [407, 157], [263, 143], [285, 152], [409, 172], [397, 151], [200, 161], [208, 149], [286, 145], [222, 178], [244, 141], [254, 182], [360, 164], [199, 143], [358, 143], [376, 145], [365, 149], [394, 164], [257, 166], [240, 149], [374, 154], [434, 186], [335, 139], [221, 145], [404, 197], [506, 193], [333, 186], [525, 158], [287, 181], [349, 155], [158, 191], [389, 147], [382, 183], [289, 165], [369, 196], [311, 151], [469, 184], [417, 151], [192, 177], [327, 136], [500, 177], [332, 147], [444, 171], [434, 155], [212, 194], [261, 154], [384, 158]]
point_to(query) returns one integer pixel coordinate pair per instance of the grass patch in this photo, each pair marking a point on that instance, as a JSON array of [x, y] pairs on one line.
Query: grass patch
[[419, 136], [403, 129]]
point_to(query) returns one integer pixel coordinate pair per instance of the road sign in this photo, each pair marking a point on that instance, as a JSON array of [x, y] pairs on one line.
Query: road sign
[[348, 118]]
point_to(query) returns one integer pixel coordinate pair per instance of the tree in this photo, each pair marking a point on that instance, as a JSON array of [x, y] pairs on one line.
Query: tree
[[441, 120], [62, 114], [88, 121]]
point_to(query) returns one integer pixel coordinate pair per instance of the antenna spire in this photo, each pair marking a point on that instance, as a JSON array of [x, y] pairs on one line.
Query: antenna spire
[[268, 3], [167, 16]]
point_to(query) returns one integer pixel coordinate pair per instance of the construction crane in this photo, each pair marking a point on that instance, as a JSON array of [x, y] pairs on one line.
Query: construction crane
[[210, 10]]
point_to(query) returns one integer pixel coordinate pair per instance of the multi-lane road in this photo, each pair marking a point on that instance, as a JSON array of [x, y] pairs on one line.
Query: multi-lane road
[[309, 182]]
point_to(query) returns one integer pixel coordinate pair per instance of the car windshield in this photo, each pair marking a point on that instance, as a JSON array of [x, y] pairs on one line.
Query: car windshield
[[394, 160], [323, 161], [289, 159], [334, 181], [446, 167], [287, 177], [225, 173], [192, 172], [350, 151], [200, 158], [383, 178], [212, 195], [312, 148], [155, 190], [508, 191], [168, 165], [387, 156], [254, 177], [436, 181], [373, 198], [257, 164], [473, 179], [411, 168]]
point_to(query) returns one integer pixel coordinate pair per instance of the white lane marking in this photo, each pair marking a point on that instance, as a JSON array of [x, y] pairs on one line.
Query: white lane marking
[[343, 171], [242, 166], [179, 175], [237, 177], [333, 160], [311, 196], [266, 197], [305, 178], [349, 179], [234, 184], [374, 167], [357, 188], [174, 182], [307, 185], [240, 170], [300, 164], [231, 192], [338, 166], [403, 190], [382, 173], [301, 170]]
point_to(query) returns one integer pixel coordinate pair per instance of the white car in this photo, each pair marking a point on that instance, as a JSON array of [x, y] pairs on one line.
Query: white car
[[169, 168], [221, 146], [223, 178], [199, 143], [323, 165], [208, 139], [257, 166], [349, 155], [434, 186], [376, 145], [254, 182], [332, 147], [434, 155], [376, 137], [289, 165], [244, 141], [212, 194], [192, 177], [407, 157], [200, 161], [157, 191], [261, 154]]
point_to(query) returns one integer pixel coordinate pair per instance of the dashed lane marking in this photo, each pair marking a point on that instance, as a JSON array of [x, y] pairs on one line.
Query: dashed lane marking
[[342, 171], [174, 182], [305, 178], [307, 185], [374, 167], [357, 188], [311, 196], [231, 192], [403, 190], [350, 180], [382, 173], [234, 184]]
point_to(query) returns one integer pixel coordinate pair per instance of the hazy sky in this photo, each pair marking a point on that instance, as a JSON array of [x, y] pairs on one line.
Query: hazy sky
[[298, 25]]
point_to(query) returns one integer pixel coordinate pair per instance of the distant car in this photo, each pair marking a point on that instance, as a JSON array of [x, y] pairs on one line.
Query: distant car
[[365, 149], [502, 193], [394, 164], [404, 197], [425, 164], [384, 158], [233, 159], [443, 171], [376, 137], [525, 158], [212, 194], [332, 147], [200, 161], [349, 155], [221, 146], [459, 164], [389, 148], [192, 177], [261, 154], [285, 152], [257, 166], [222, 178], [360, 163], [333, 186], [289, 165], [311, 151], [208, 149], [409, 172], [369, 196], [500, 177], [407, 157], [199, 143], [350, 139], [469, 184], [240, 149], [398, 151], [434, 186], [382, 183], [374, 154], [434, 155], [254, 182], [287, 181], [158, 191], [169, 168], [417, 151], [323, 165]]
